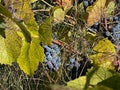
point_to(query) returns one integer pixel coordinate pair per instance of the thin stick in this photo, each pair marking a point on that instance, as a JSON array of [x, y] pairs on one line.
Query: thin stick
[[41, 10], [66, 46], [83, 68], [46, 3]]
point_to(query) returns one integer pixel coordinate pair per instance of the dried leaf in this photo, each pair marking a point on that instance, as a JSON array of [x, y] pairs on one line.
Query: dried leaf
[[95, 12]]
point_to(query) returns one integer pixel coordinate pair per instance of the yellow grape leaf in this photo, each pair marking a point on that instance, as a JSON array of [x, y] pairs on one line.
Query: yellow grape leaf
[[105, 52], [10, 45], [5, 56], [78, 83], [58, 15], [105, 45], [95, 12], [13, 43]]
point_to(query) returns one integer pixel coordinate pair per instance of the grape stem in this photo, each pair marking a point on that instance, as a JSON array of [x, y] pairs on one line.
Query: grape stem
[[66, 46]]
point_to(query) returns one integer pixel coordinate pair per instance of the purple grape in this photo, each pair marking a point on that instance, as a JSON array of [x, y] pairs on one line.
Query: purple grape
[[72, 60], [52, 59], [107, 34], [86, 3], [115, 18], [50, 65], [47, 48], [49, 57], [116, 28], [96, 25], [47, 53], [95, 30]]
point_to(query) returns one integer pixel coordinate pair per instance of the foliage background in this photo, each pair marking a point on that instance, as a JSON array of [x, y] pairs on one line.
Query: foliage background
[[73, 34]]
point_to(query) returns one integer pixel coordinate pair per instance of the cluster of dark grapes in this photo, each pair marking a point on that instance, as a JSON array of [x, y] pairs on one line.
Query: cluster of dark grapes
[[113, 33], [78, 68], [87, 3], [95, 27], [113, 30], [52, 57]]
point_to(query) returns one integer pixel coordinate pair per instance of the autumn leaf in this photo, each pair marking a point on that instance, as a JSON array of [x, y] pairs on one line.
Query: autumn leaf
[[95, 12]]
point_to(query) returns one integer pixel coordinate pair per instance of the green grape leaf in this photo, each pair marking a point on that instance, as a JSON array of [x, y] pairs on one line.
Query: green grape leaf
[[95, 12], [110, 8], [112, 82], [105, 52], [93, 77], [58, 14], [45, 32], [78, 83], [100, 74], [31, 54], [96, 75], [5, 56]]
